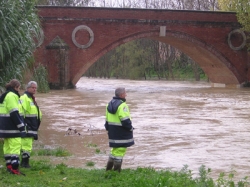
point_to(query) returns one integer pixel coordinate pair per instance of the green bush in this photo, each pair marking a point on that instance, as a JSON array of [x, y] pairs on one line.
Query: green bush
[[41, 77]]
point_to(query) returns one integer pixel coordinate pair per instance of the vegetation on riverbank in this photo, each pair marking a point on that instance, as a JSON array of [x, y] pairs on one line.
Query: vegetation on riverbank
[[20, 28], [146, 59], [44, 174]]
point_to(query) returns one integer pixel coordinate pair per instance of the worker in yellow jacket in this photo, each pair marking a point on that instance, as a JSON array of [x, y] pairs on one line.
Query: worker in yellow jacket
[[12, 127], [120, 129], [32, 117]]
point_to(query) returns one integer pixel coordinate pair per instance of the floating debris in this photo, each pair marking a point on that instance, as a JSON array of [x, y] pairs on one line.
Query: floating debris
[[72, 132], [89, 128]]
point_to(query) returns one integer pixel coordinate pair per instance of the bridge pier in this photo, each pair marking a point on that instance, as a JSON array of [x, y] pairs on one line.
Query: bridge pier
[[248, 66], [221, 85]]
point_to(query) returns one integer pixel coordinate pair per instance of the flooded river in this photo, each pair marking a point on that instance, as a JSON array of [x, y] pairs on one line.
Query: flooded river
[[176, 124]]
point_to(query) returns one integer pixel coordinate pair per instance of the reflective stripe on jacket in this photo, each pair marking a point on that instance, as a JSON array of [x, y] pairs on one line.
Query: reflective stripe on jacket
[[119, 126], [32, 115], [11, 123]]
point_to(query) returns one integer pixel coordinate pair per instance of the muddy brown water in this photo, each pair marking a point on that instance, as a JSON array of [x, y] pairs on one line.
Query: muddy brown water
[[176, 124]]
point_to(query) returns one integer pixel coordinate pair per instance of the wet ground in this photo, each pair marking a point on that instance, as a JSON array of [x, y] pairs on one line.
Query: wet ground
[[176, 124]]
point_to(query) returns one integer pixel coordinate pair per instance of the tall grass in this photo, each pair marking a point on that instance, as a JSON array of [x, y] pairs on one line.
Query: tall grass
[[20, 27]]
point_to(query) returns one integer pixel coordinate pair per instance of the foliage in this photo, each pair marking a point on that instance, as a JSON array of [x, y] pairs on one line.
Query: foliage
[[64, 2], [91, 145], [90, 163], [44, 173], [227, 5], [58, 152], [40, 75], [205, 179], [61, 167], [19, 27], [41, 165], [144, 58], [61, 175], [149, 4], [242, 8], [243, 13]]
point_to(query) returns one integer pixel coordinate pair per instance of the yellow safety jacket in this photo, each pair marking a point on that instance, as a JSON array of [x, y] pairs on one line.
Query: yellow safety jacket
[[32, 115], [119, 124], [11, 123]]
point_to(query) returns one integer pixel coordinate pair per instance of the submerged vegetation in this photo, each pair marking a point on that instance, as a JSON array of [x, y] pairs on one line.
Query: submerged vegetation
[[59, 152]]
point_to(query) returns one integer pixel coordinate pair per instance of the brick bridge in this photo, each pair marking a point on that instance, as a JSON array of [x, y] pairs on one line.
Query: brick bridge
[[76, 37]]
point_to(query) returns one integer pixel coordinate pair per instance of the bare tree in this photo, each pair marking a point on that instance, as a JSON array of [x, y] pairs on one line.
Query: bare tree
[[66, 2]]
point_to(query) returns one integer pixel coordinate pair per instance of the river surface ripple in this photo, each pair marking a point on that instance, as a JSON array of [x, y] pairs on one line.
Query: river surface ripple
[[176, 124]]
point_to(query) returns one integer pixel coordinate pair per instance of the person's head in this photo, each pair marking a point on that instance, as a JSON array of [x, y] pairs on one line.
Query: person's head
[[31, 87], [120, 92], [13, 84]]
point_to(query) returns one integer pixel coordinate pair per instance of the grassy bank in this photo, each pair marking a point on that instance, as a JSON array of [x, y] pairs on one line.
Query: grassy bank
[[43, 174]]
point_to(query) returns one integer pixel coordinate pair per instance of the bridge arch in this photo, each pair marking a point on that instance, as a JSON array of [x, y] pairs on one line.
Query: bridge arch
[[202, 35], [212, 62], [217, 67], [110, 47]]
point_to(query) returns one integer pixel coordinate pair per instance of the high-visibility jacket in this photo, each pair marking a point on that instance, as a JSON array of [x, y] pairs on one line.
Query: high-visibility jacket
[[11, 124], [32, 115], [119, 124]]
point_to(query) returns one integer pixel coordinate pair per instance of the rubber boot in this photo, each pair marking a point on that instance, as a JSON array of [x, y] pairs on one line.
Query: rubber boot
[[8, 163], [16, 172], [9, 168], [25, 163], [110, 164], [117, 165], [15, 166]]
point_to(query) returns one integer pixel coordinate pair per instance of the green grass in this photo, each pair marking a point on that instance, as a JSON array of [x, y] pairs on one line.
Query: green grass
[[45, 174], [91, 145], [97, 151], [58, 152], [90, 164]]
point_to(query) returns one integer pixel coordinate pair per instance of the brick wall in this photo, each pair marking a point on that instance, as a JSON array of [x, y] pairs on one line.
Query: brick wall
[[201, 35]]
